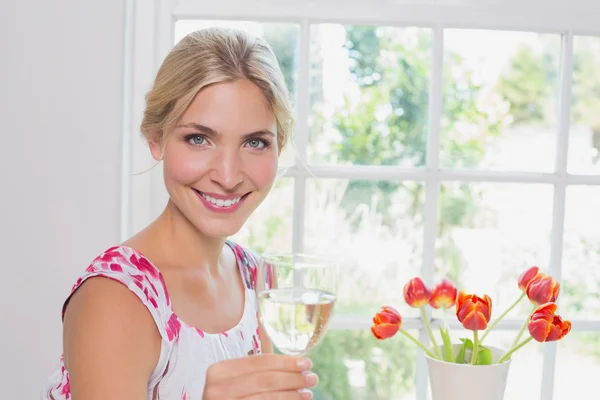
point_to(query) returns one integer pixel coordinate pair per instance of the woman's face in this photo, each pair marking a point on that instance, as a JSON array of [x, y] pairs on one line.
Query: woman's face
[[220, 161]]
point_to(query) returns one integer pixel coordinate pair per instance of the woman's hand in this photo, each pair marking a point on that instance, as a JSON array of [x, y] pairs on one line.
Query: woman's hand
[[263, 376]]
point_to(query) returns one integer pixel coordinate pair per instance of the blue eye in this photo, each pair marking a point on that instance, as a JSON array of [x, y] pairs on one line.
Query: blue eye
[[257, 143], [196, 140]]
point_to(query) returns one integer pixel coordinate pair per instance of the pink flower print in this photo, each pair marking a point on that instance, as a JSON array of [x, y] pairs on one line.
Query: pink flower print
[[200, 332], [143, 265], [225, 334], [150, 299], [253, 277], [91, 268], [65, 387], [139, 284], [255, 346], [116, 267], [184, 395], [270, 275], [153, 288], [76, 285], [162, 282], [242, 335], [111, 254], [173, 327]]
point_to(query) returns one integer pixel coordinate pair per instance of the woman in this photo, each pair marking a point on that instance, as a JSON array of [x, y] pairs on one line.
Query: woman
[[171, 313]]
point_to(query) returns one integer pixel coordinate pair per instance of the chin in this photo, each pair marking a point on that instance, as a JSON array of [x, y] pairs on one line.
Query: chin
[[218, 229]]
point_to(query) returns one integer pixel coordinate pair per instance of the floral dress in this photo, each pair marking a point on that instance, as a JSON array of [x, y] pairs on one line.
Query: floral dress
[[186, 352]]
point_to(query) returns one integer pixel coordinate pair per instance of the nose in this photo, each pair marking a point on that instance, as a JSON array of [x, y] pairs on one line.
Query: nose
[[227, 169]]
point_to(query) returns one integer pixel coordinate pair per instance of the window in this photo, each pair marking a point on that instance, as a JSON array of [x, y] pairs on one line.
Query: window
[[449, 148]]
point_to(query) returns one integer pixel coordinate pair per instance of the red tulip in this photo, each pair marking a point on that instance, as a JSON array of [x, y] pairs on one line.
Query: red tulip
[[543, 289], [546, 326], [527, 276], [416, 294], [386, 323], [473, 312], [444, 294]]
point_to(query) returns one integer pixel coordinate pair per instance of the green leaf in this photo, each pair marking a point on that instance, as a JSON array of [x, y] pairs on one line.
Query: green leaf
[[447, 351], [468, 342], [484, 356], [460, 358]]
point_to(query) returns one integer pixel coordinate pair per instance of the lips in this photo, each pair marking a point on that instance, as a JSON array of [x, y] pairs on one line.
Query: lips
[[223, 203]]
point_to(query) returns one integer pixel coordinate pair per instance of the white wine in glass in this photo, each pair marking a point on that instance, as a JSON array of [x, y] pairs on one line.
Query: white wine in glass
[[296, 295]]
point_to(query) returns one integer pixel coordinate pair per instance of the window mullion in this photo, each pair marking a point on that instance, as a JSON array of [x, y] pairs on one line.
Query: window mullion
[[558, 218], [432, 190], [301, 136]]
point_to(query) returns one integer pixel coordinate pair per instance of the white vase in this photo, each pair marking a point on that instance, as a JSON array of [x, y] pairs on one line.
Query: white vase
[[450, 381]]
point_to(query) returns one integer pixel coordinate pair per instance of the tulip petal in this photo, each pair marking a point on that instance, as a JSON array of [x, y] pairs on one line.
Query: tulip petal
[[443, 295], [546, 326], [384, 331], [527, 276], [475, 321], [416, 294], [538, 330]]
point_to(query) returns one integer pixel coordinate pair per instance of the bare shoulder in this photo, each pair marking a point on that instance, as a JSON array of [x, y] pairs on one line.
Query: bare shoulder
[[110, 340]]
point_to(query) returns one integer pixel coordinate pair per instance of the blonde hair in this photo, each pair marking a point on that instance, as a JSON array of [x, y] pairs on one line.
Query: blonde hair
[[211, 56]]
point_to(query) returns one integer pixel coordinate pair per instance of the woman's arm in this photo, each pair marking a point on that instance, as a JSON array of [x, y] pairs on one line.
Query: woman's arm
[[111, 343]]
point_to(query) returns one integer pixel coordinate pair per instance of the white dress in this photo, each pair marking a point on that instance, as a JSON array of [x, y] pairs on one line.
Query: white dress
[[186, 352]]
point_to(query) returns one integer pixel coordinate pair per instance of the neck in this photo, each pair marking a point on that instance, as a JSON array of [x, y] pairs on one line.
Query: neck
[[182, 245]]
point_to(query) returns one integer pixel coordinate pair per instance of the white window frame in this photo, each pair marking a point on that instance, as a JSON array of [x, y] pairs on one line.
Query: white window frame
[[149, 37]]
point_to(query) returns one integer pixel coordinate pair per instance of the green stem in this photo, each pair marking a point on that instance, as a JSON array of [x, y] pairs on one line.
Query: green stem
[[447, 349], [522, 330], [475, 348], [445, 318], [430, 332], [515, 348], [502, 316], [408, 335]]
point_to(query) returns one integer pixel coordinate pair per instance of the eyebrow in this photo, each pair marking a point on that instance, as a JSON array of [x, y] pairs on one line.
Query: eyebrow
[[211, 132]]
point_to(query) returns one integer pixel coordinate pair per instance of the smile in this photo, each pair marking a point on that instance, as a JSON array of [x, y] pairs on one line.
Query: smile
[[223, 203]]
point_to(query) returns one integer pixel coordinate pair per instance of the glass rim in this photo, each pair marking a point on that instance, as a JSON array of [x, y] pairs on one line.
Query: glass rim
[[304, 260]]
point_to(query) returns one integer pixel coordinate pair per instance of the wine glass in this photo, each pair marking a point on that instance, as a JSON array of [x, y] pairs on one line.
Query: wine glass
[[296, 296]]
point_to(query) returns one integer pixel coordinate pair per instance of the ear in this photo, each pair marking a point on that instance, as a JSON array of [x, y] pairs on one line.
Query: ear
[[156, 149]]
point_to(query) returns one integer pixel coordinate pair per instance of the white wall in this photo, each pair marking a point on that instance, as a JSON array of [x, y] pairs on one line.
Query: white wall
[[60, 127]]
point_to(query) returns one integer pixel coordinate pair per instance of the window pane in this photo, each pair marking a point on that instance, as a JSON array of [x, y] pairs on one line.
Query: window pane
[[354, 365], [581, 258], [369, 94], [374, 229], [282, 37], [584, 140], [269, 228], [500, 100], [577, 365], [489, 234]]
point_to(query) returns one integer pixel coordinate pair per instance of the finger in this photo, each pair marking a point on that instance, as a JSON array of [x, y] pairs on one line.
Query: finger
[[261, 384], [262, 362], [272, 381], [287, 395]]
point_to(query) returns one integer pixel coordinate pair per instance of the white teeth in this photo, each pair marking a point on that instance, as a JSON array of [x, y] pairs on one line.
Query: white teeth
[[221, 203]]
